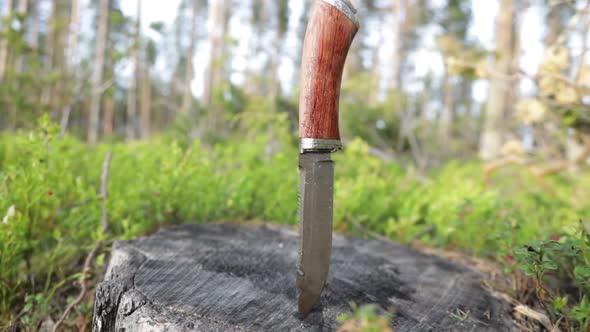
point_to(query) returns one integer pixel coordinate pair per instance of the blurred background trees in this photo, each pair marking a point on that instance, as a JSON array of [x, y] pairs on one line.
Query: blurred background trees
[[210, 87], [420, 84]]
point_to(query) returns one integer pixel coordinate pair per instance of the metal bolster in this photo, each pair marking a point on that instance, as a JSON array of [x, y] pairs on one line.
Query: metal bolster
[[346, 7], [319, 144]]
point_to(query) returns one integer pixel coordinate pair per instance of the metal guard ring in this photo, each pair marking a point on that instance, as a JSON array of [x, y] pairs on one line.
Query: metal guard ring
[[320, 144], [346, 7]]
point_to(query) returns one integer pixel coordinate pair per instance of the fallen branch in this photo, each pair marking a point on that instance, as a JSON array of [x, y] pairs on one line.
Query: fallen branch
[[90, 257], [539, 172], [562, 165]]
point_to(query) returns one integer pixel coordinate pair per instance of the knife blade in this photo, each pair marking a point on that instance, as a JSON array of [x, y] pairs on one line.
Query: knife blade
[[330, 31], [316, 214]]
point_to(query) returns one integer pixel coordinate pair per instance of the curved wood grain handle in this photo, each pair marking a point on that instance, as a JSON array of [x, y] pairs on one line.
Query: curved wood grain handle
[[330, 31]]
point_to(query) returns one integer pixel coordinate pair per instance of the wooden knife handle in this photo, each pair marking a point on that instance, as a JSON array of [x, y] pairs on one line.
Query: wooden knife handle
[[330, 31]]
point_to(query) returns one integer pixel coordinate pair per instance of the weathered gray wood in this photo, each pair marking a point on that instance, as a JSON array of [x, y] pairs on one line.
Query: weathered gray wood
[[232, 278]]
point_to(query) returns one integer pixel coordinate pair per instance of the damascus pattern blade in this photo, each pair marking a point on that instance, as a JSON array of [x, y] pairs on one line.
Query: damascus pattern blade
[[316, 193]]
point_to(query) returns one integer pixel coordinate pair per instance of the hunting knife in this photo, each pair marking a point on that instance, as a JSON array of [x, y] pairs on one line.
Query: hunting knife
[[330, 31]]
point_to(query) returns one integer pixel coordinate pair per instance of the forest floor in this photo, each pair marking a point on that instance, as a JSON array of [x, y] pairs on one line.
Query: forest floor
[[62, 206]]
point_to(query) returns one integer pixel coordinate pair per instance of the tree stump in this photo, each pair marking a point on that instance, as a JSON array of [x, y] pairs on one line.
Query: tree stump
[[236, 278]]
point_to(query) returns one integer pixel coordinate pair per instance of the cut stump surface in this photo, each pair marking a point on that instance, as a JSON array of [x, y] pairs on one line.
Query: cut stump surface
[[236, 278]]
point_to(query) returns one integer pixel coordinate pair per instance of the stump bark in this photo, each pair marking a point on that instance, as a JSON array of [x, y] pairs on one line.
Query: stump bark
[[236, 278]]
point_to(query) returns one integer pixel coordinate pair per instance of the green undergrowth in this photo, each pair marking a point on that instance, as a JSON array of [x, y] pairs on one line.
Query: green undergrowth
[[50, 210]]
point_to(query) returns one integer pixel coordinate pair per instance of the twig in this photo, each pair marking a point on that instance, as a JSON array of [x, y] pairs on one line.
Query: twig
[[88, 261], [104, 193], [83, 283], [74, 205], [536, 316], [573, 22], [67, 110], [16, 320], [363, 229], [490, 168], [106, 85]]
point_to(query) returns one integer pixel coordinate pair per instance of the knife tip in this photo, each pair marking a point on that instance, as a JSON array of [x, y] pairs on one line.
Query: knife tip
[[307, 300]]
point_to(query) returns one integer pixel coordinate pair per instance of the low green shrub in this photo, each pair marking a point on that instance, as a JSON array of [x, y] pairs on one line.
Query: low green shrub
[[560, 268], [50, 207]]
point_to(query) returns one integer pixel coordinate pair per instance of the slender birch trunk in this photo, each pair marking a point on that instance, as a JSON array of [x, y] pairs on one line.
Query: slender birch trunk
[[4, 42], [574, 147], [187, 94], [97, 72], [354, 61], [446, 115], [217, 26], [71, 61], [35, 25], [48, 63], [399, 14], [500, 87], [22, 8], [275, 87], [146, 102], [108, 105], [132, 93]]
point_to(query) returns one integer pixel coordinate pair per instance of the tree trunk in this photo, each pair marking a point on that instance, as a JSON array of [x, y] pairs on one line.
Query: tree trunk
[[405, 19], [446, 115], [71, 51], [35, 26], [97, 72], [302, 25], [425, 118], [217, 27], [18, 56], [554, 24], [62, 93], [22, 8], [73, 33], [146, 102], [130, 127], [187, 94], [109, 116], [374, 81], [574, 148], [49, 54], [399, 13], [258, 20], [275, 84], [500, 87], [4, 41], [231, 278], [354, 61], [405, 15]]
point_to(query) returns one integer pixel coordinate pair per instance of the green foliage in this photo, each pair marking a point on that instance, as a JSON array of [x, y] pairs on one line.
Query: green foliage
[[366, 318], [282, 16], [378, 123], [455, 17], [50, 207], [561, 259]]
